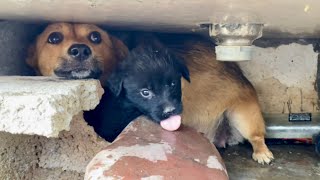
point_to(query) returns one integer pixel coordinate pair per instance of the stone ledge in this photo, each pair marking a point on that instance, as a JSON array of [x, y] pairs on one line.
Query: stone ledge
[[43, 105], [145, 151]]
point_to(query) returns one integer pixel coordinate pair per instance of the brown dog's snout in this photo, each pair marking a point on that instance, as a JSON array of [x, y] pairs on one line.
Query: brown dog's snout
[[79, 52]]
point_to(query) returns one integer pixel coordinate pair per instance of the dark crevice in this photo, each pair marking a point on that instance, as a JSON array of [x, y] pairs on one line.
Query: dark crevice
[[316, 48], [276, 42]]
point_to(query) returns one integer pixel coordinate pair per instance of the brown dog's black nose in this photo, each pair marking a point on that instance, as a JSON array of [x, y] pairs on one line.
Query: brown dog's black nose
[[79, 52]]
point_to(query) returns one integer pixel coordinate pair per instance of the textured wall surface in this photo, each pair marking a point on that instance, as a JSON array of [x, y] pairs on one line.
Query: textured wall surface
[[284, 78], [15, 38], [38, 157]]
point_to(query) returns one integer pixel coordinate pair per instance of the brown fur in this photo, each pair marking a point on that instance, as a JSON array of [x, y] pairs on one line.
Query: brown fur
[[219, 91], [45, 57]]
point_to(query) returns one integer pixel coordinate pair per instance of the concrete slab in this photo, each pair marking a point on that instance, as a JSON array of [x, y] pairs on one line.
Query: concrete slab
[[42, 105]]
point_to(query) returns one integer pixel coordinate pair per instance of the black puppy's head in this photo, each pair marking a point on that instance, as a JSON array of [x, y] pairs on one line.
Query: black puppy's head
[[150, 80]]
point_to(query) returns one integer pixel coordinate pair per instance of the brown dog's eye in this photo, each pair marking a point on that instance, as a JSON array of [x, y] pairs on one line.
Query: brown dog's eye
[[55, 38], [95, 37]]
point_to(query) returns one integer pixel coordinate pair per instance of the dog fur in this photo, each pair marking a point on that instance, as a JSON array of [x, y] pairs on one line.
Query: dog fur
[[145, 68], [220, 102], [50, 59]]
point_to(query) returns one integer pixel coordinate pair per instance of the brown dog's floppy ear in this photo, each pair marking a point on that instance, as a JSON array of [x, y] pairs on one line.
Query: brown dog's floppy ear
[[32, 57], [115, 81], [182, 68], [185, 73], [121, 50]]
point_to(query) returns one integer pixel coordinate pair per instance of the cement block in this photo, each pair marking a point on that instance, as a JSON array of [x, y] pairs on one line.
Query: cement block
[[56, 174], [42, 105], [38, 157], [18, 156], [73, 150]]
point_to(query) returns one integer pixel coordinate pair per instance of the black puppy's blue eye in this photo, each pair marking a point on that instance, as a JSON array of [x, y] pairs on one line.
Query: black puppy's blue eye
[[145, 93], [55, 38], [173, 84]]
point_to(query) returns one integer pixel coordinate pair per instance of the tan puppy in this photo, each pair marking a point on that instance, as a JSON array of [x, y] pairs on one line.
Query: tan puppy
[[75, 51], [220, 101]]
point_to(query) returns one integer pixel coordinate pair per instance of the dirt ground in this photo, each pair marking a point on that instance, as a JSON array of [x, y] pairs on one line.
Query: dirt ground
[[292, 161]]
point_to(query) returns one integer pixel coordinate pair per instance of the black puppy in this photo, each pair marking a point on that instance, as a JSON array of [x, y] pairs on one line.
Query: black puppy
[[147, 82]]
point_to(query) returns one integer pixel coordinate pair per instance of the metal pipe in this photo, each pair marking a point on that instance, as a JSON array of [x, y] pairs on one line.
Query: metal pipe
[[278, 126], [234, 40]]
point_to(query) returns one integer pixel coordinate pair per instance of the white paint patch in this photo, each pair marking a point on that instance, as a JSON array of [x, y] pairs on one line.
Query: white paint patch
[[98, 175], [114, 178], [107, 158], [197, 160], [94, 174], [153, 178], [214, 163]]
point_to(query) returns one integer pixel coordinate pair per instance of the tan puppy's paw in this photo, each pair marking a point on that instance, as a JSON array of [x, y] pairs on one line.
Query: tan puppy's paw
[[263, 157]]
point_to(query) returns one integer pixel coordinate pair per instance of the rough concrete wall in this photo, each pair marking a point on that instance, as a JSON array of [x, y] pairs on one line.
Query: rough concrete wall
[[18, 156], [15, 38], [73, 150], [284, 78], [56, 174], [38, 157]]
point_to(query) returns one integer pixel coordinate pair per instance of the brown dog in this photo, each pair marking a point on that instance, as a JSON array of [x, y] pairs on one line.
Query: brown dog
[[220, 101], [75, 51]]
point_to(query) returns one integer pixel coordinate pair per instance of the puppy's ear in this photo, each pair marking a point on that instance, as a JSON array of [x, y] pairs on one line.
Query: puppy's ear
[[185, 72], [121, 50], [114, 82], [183, 69], [32, 57]]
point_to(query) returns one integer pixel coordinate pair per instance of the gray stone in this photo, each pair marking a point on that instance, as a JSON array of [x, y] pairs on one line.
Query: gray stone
[[42, 105]]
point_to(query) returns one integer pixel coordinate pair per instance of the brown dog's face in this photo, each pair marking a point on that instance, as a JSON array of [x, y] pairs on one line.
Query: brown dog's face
[[75, 51]]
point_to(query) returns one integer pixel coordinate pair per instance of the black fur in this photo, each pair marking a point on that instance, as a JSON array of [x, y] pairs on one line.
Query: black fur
[[111, 116], [145, 69]]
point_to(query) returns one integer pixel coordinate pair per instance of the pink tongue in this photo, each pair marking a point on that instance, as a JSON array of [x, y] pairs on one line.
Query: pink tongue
[[172, 123]]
